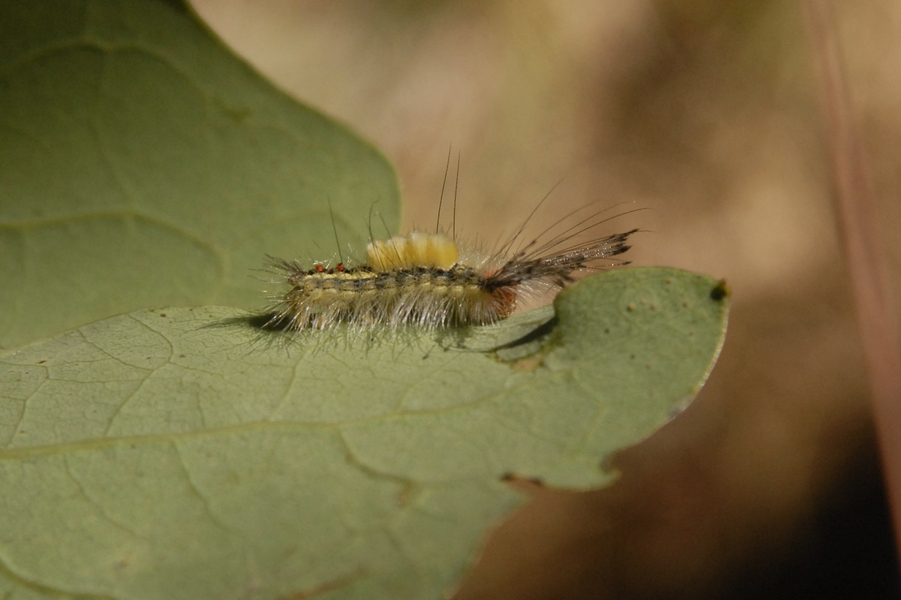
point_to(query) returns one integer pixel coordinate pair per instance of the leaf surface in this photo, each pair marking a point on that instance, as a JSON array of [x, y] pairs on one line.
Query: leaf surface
[[183, 454], [143, 165]]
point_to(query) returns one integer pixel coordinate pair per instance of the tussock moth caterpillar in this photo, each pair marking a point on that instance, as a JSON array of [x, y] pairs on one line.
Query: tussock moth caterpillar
[[428, 280]]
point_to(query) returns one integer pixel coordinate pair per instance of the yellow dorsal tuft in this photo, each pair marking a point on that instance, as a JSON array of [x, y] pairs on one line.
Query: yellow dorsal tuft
[[417, 249]]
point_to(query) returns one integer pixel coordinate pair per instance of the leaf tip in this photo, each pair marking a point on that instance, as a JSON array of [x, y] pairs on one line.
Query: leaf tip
[[720, 291]]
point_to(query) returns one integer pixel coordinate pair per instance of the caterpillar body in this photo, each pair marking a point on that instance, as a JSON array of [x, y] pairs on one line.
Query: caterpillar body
[[429, 281]]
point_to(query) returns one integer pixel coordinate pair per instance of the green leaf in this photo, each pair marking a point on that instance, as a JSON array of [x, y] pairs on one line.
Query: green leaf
[[143, 165], [183, 454]]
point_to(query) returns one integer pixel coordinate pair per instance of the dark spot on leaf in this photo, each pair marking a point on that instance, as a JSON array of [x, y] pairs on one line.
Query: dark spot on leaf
[[720, 291], [406, 494]]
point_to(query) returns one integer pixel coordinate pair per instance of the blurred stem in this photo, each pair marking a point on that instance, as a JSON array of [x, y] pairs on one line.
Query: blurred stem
[[857, 215]]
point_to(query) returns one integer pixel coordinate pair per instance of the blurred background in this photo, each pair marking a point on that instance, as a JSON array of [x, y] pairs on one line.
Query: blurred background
[[710, 113]]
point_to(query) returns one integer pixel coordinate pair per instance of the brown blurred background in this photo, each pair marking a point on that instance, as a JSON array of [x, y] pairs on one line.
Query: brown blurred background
[[710, 113]]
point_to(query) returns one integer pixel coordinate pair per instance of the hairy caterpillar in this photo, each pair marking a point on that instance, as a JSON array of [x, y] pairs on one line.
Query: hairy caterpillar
[[428, 280]]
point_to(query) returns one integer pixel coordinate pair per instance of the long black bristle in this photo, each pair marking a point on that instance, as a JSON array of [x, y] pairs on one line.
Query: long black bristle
[[556, 268]]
